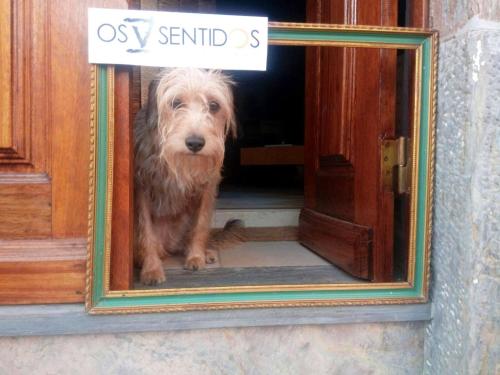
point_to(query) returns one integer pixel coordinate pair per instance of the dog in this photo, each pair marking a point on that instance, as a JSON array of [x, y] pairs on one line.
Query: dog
[[179, 144]]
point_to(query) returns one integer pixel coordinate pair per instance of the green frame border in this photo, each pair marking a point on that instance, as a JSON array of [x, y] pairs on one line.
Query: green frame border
[[99, 302]]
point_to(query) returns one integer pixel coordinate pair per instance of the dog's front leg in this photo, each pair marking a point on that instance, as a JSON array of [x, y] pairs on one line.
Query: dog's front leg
[[149, 247], [197, 249]]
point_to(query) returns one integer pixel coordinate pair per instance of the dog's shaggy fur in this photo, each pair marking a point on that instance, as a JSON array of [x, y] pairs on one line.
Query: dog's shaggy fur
[[179, 151]]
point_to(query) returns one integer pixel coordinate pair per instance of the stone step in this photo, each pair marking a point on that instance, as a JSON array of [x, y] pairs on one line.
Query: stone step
[[258, 218]]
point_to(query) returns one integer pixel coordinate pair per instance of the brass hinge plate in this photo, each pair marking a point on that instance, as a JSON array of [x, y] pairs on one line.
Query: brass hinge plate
[[394, 165]]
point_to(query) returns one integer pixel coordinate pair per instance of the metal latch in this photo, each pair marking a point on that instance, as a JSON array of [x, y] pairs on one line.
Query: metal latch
[[394, 165]]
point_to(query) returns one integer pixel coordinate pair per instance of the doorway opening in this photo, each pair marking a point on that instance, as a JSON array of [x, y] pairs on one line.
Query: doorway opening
[[263, 176], [264, 167]]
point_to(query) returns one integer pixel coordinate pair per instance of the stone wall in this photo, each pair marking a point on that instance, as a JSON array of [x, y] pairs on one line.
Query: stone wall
[[461, 339]]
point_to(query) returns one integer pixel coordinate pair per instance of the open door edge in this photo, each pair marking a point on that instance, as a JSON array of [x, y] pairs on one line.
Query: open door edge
[[345, 244]]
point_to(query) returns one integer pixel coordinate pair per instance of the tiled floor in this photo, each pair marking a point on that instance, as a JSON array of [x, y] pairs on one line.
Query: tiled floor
[[269, 254], [260, 254]]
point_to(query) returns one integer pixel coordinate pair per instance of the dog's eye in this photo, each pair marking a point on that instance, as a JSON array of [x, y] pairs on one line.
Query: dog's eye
[[214, 106], [176, 103]]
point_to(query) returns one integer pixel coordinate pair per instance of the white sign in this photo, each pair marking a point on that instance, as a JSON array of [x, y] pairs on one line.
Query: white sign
[[170, 39]]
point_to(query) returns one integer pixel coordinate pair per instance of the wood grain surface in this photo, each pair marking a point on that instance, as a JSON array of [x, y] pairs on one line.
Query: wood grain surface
[[123, 189], [42, 271], [44, 148], [44, 139], [350, 106], [347, 245]]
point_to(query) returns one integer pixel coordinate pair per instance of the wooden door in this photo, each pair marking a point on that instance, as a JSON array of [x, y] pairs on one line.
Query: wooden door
[[350, 108], [44, 148]]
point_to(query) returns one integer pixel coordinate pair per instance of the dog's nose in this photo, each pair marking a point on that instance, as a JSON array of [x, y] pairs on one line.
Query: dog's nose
[[195, 143]]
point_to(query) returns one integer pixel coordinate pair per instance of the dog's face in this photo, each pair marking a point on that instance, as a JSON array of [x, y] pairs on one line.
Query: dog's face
[[195, 114]]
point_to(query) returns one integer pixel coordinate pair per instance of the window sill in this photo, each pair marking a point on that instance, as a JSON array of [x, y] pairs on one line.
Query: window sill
[[37, 320]]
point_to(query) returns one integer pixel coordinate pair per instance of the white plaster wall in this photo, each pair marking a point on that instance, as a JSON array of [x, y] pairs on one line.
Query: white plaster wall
[[339, 349]]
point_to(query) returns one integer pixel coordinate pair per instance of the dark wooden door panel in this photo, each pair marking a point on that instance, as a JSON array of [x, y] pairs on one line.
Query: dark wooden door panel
[[350, 108], [122, 216], [347, 245], [335, 188]]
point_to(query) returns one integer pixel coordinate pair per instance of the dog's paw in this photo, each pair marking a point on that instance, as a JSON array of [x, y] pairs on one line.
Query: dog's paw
[[194, 263], [210, 256], [153, 277]]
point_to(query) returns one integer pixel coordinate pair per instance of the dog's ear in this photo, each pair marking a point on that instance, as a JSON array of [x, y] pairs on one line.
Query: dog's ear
[[233, 130], [231, 125], [152, 105]]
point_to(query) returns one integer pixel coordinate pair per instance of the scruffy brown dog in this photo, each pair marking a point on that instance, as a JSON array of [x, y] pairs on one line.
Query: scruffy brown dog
[[179, 151]]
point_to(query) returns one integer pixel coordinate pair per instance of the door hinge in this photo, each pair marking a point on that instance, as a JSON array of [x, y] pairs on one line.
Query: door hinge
[[395, 165]]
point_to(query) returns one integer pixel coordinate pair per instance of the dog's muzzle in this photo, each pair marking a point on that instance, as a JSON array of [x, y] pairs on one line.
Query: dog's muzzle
[[195, 143]]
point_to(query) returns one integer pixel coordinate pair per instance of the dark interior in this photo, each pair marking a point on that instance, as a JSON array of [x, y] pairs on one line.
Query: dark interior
[[269, 105]]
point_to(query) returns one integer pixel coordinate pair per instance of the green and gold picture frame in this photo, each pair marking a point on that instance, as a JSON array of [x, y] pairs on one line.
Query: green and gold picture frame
[[100, 299]]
